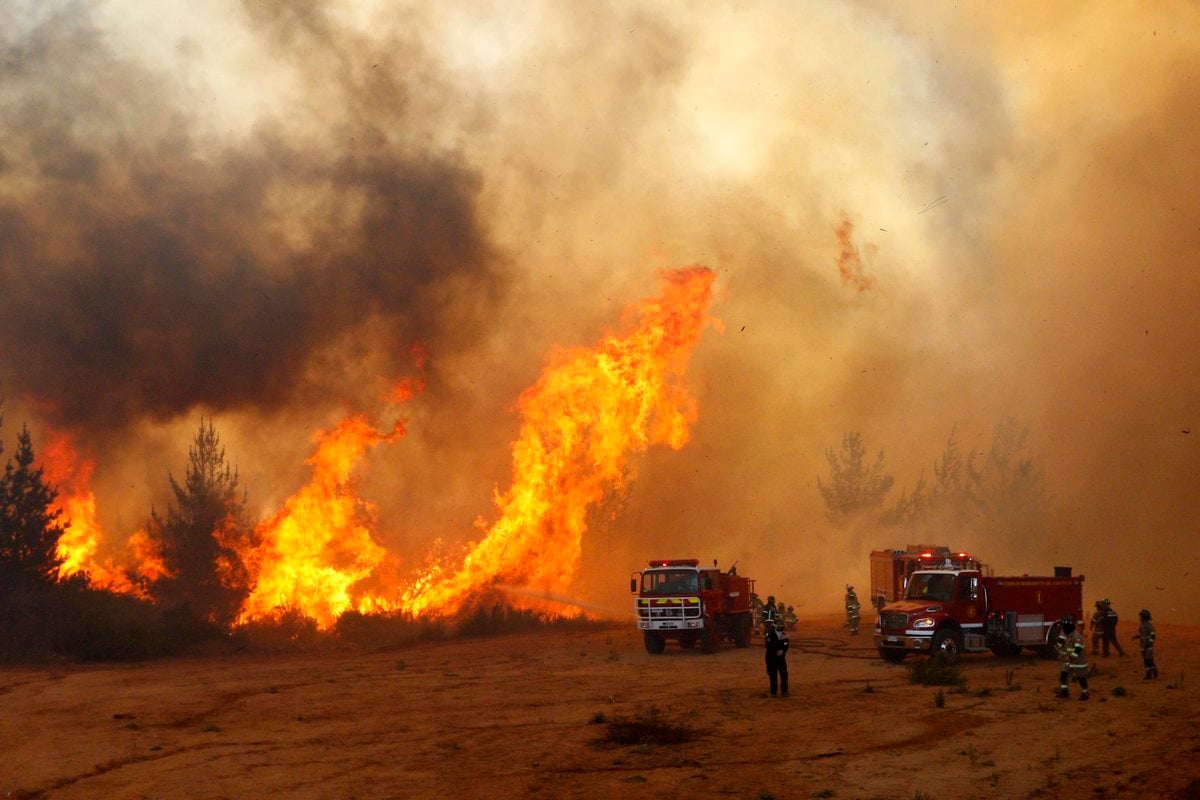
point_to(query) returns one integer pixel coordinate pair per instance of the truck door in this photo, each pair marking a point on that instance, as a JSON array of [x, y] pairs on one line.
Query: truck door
[[970, 600]]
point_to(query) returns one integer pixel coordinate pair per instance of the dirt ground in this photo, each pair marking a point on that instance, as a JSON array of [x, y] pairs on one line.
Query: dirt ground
[[523, 716]]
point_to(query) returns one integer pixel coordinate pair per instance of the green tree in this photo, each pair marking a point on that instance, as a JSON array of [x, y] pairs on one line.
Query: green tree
[[854, 487], [204, 535], [29, 528]]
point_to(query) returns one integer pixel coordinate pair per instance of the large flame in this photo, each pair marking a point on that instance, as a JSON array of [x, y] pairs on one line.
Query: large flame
[[590, 409], [319, 547], [71, 475]]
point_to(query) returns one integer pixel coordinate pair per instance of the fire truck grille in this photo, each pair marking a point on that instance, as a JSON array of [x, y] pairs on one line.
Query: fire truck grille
[[894, 622]]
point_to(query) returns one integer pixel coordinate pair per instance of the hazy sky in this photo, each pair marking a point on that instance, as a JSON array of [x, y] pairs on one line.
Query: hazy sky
[[254, 210]]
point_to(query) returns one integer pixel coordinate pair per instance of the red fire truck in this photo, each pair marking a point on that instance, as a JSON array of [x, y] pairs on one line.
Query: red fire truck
[[952, 611], [677, 599], [890, 569]]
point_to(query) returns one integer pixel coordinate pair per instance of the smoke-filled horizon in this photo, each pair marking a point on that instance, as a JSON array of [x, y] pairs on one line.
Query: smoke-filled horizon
[[918, 221]]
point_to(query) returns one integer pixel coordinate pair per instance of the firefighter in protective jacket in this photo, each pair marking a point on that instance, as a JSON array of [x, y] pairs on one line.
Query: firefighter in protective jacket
[[853, 607], [1145, 637], [776, 653], [1072, 658]]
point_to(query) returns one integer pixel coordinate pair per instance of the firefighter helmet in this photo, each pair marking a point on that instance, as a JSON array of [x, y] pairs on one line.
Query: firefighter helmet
[[1144, 614]]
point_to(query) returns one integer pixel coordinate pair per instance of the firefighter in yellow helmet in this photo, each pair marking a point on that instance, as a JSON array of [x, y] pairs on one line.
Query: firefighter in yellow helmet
[[1072, 658]]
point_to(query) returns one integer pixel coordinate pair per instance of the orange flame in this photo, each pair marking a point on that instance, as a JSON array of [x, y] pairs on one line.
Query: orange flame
[[71, 476], [318, 548], [590, 409]]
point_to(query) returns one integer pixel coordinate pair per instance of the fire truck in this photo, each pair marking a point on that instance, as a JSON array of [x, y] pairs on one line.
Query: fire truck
[[678, 600], [952, 611], [890, 569]]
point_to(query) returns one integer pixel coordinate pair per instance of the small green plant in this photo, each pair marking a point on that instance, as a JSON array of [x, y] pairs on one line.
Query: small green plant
[[824, 793], [986, 691], [598, 718], [868, 689], [765, 796], [1177, 683], [1119, 691], [939, 699], [1008, 676], [920, 795], [400, 665]]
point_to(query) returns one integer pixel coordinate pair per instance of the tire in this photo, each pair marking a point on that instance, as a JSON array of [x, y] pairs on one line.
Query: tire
[[1047, 650], [655, 644], [892, 655], [948, 643], [741, 631]]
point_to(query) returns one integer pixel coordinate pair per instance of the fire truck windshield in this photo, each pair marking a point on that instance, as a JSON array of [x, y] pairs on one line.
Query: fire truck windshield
[[671, 581], [930, 586]]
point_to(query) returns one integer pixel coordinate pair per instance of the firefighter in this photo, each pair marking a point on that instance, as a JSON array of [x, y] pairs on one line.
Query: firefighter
[[1097, 627], [852, 610], [1072, 659], [770, 612], [776, 654], [1145, 637], [790, 619], [1110, 630]]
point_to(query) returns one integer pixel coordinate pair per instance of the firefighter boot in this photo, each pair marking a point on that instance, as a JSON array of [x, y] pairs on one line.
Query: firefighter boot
[[1063, 692], [1083, 696]]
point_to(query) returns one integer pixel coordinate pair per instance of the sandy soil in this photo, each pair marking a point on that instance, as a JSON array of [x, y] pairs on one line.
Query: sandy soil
[[522, 716]]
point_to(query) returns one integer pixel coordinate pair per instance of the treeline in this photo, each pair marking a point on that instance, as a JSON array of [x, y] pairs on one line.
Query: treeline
[[996, 493], [191, 597]]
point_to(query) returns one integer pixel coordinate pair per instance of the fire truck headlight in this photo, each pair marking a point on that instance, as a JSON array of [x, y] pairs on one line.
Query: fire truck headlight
[[923, 622]]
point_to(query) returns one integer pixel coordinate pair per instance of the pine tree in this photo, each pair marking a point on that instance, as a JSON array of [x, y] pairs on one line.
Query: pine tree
[[29, 529], [204, 534], [854, 487]]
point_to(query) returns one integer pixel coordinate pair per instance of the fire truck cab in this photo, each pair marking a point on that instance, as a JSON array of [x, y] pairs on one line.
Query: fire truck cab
[[952, 611], [679, 600], [891, 569]]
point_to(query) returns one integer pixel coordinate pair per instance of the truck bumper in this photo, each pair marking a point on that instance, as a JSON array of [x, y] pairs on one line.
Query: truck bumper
[[671, 626], [905, 641]]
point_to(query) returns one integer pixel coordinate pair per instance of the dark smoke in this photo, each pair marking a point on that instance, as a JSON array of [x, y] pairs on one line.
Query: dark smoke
[[147, 268]]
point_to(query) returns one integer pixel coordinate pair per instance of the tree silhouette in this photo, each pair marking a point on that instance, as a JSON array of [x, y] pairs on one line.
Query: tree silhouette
[[29, 529], [1002, 494], [203, 536], [854, 487]]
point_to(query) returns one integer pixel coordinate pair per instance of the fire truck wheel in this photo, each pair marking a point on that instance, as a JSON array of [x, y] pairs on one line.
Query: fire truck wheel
[[741, 631], [948, 642], [1049, 650], [892, 655], [655, 644]]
